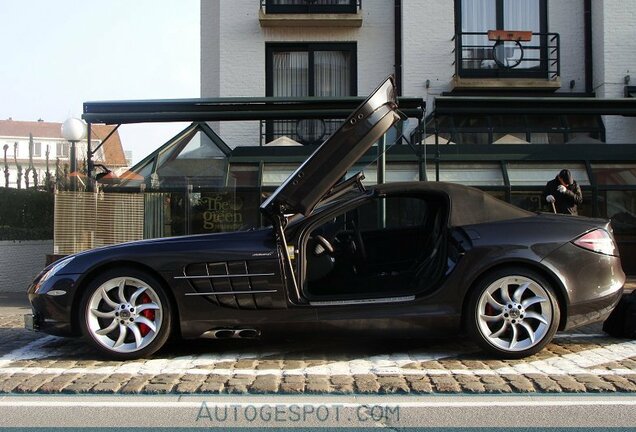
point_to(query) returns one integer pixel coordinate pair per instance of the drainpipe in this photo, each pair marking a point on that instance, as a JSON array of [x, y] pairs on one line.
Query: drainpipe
[[589, 62], [398, 46]]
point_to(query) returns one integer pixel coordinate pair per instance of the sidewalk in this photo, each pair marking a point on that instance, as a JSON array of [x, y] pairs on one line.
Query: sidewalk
[[12, 303]]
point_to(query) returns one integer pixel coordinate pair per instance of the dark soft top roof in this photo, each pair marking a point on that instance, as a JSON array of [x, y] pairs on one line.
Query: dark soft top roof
[[469, 206]]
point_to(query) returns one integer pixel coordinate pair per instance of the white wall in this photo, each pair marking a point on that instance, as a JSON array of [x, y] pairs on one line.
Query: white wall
[[427, 32], [567, 17], [20, 263], [614, 58]]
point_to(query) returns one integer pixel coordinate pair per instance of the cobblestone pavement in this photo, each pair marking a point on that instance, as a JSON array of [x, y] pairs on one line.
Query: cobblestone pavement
[[586, 361]]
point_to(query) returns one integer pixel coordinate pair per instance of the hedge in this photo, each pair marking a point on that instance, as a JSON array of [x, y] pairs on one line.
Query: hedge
[[26, 214]]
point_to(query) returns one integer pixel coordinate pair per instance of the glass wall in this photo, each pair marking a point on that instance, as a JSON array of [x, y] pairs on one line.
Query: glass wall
[[517, 129], [616, 200]]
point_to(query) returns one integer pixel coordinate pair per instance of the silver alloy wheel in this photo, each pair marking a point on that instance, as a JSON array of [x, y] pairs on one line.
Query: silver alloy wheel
[[514, 313], [115, 312]]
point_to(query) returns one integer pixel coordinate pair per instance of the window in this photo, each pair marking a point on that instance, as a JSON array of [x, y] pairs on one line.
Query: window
[[311, 6], [484, 15], [302, 70], [469, 174], [37, 149], [62, 149], [386, 247], [275, 174], [517, 129], [614, 174], [529, 174], [474, 18]]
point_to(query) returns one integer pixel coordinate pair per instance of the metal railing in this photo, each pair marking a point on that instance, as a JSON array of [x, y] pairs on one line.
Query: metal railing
[[478, 57], [304, 131], [311, 6]]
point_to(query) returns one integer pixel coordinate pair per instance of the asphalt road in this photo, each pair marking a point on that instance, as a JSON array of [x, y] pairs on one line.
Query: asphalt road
[[394, 412]]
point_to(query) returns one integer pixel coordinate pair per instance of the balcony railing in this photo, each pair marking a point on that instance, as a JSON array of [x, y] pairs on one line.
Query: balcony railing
[[305, 132], [477, 56], [311, 6]]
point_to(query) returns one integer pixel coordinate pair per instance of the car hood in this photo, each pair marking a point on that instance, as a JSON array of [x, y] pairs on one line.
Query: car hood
[[167, 253], [329, 163]]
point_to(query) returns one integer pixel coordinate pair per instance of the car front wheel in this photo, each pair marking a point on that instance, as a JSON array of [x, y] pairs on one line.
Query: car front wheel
[[125, 314], [513, 313]]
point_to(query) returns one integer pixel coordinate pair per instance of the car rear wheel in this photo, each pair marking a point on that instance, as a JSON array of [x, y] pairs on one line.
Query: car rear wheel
[[513, 313], [125, 314]]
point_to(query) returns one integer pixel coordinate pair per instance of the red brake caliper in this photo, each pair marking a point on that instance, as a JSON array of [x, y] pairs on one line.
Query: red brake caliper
[[490, 311], [148, 313]]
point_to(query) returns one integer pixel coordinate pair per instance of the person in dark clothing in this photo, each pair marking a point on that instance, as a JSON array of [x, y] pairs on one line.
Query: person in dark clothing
[[563, 194]]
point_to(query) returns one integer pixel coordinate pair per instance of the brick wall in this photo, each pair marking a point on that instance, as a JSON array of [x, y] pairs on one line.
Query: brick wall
[[20, 262]]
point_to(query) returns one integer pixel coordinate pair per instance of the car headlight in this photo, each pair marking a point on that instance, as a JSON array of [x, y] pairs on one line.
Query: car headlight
[[59, 265]]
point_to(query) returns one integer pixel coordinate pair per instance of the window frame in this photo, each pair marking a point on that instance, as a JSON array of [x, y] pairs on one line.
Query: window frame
[[315, 221], [62, 149], [310, 48], [506, 73]]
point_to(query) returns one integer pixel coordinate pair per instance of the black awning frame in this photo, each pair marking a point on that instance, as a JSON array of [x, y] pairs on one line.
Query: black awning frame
[[233, 109], [466, 105]]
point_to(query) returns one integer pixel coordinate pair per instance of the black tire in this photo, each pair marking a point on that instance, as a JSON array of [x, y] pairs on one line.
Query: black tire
[[527, 327], [156, 295]]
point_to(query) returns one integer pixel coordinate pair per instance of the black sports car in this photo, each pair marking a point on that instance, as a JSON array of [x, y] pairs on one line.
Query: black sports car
[[405, 258]]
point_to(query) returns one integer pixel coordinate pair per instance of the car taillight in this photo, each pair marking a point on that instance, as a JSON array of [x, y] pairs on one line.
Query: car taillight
[[598, 241]]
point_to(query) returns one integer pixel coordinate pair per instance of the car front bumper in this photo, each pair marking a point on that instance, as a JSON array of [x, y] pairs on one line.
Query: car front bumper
[[52, 305], [30, 323]]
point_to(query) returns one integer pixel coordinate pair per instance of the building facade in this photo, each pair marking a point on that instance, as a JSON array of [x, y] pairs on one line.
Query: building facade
[[28, 144], [577, 47]]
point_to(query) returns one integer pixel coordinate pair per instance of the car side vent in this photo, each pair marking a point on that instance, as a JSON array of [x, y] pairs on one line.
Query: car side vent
[[232, 284]]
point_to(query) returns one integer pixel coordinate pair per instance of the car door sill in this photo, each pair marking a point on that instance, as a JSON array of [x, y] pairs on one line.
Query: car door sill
[[362, 301]]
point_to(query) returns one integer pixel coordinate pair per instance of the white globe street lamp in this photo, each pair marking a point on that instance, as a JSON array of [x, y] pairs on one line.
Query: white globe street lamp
[[73, 131]]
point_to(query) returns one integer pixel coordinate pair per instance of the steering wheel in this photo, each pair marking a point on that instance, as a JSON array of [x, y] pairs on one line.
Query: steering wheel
[[322, 246], [359, 243]]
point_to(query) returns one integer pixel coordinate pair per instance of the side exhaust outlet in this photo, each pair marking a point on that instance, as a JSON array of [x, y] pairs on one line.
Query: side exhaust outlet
[[231, 334]]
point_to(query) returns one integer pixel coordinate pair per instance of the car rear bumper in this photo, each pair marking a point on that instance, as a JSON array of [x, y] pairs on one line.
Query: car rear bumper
[[592, 311], [592, 283]]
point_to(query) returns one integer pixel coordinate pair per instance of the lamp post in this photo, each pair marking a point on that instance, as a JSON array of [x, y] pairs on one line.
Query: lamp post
[[73, 131]]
